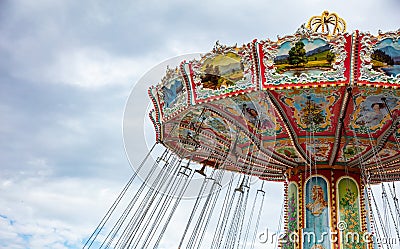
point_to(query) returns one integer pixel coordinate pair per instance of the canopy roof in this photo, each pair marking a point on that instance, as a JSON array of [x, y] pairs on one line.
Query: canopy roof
[[311, 98]]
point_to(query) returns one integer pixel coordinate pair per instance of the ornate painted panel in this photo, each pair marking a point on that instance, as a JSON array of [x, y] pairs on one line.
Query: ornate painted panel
[[311, 110], [284, 148], [253, 111], [349, 224], [203, 127], [254, 114], [371, 109], [352, 148], [170, 96], [173, 92], [388, 152], [293, 209], [379, 59], [305, 59], [317, 213], [319, 148], [224, 72]]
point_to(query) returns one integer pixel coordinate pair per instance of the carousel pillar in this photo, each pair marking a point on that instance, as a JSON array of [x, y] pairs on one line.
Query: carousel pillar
[[325, 210]]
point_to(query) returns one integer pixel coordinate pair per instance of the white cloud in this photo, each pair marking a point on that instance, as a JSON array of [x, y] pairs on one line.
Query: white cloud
[[41, 212], [90, 68]]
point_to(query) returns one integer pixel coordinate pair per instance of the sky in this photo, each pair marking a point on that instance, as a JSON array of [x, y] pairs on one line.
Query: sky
[[67, 69]]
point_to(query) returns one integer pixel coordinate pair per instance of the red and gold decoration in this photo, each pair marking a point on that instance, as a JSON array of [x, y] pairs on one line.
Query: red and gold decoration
[[318, 109]]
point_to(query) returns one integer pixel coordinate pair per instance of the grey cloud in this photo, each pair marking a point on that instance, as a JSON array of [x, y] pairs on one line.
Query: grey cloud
[[57, 124], [62, 125]]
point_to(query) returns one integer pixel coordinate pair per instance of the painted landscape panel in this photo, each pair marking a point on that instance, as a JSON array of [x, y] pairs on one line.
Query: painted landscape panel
[[222, 70], [172, 90], [304, 56], [386, 57]]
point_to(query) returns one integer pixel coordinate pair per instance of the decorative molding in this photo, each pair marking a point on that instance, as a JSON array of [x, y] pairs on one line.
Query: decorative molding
[[245, 56], [338, 75], [367, 75]]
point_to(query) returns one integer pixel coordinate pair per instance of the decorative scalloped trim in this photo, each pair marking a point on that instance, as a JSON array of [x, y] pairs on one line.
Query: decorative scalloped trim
[[157, 125], [181, 100], [248, 84], [271, 79], [258, 56], [156, 103], [366, 75]]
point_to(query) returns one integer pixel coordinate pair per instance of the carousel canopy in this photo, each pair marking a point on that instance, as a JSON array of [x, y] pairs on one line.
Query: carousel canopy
[[321, 96]]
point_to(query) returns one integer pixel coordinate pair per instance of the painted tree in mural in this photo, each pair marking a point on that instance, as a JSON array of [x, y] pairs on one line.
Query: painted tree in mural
[[330, 57], [381, 56], [292, 222], [312, 113], [297, 54], [350, 214]]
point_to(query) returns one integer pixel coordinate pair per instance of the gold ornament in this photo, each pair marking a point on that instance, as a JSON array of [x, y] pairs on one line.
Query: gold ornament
[[329, 23]]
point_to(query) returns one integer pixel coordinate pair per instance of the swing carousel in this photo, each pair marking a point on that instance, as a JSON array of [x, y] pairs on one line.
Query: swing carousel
[[318, 111]]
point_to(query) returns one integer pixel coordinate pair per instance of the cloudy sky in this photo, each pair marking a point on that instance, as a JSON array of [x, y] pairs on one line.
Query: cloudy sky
[[66, 71]]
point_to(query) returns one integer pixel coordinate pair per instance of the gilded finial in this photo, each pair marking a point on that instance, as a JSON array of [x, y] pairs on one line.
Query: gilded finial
[[329, 23]]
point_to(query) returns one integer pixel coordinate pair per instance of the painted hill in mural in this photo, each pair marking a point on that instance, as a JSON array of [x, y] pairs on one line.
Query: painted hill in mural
[[392, 52], [298, 60], [318, 50], [221, 70], [315, 52]]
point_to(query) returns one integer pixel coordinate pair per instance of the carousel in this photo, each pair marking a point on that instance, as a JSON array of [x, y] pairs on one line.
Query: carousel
[[318, 111]]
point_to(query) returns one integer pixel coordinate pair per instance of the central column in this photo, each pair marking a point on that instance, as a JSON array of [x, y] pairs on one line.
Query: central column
[[325, 209]]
